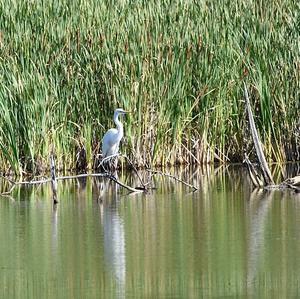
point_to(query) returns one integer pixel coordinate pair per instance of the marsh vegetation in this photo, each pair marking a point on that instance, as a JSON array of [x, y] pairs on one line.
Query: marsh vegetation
[[179, 65]]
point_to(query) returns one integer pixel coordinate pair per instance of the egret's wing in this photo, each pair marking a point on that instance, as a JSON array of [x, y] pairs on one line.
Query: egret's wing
[[110, 142]]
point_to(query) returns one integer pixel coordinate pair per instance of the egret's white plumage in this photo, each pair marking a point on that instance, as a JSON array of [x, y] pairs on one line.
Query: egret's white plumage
[[112, 138]]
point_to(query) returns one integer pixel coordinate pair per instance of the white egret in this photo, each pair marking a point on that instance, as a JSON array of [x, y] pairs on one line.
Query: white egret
[[111, 139]]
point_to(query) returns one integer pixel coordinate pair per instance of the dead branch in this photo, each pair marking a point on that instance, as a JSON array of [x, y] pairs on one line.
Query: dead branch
[[83, 175], [136, 172], [105, 175], [53, 179], [292, 183], [106, 159], [114, 179], [7, 193], [295, 181], [173, 177], [261, 157], [257, 182]]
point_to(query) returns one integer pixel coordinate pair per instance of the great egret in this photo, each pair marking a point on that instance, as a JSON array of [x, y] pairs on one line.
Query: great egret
[[112, 138]]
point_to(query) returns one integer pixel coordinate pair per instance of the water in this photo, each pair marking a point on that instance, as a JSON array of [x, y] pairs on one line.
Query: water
[[222, 241]]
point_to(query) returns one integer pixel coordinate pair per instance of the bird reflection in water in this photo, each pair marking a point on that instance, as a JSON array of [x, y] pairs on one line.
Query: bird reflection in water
[[113, 232]]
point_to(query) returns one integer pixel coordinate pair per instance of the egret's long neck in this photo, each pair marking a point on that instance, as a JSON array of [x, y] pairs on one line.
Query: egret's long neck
[[118, 124]]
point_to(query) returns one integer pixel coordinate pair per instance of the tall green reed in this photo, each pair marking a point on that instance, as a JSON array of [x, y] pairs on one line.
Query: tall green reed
[[179, 65]]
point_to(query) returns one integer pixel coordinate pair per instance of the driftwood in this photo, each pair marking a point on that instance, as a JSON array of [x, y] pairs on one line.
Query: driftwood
[[268, 182]]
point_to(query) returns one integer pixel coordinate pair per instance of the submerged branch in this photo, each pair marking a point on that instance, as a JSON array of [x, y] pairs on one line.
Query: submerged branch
[[105, 175], [7, 193], [46, 180], [131, 189], [173, 177], [257, 182], [106, 159], [136, 172]]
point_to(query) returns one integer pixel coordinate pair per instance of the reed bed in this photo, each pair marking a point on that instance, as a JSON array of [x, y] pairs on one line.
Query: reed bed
[[179, 65]]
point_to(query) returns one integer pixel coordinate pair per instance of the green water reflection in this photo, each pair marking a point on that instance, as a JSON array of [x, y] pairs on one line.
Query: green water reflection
[[99, 242]]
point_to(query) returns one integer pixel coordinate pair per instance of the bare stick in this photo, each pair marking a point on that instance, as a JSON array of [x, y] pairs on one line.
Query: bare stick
[[261, 157], [173, 177], [54, 182], [107, 159], [7, 179], [7, 193], [33, 182], [113, 178], [253, 173], [136, 172], [83, 175], [53, 179], [129, 161], [190, 153], [105, 175], [14, 184]]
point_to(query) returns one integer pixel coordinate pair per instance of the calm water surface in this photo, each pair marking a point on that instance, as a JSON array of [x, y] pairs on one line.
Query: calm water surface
[[221, 241]]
